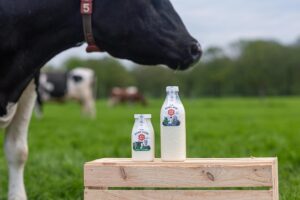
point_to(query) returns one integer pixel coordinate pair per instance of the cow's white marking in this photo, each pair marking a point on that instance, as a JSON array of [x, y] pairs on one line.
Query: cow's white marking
[[16, 149], [47, 85], [6, 119], [132, 90], [83, 91]]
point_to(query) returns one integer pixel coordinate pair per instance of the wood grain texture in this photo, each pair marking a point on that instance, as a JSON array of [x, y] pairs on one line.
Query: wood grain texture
[[158, 162], [104, 176], [192, 173], [176, 195], [275, 180]]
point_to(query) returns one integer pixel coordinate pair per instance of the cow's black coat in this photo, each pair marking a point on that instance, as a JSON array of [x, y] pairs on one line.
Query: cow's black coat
[[34, 31]]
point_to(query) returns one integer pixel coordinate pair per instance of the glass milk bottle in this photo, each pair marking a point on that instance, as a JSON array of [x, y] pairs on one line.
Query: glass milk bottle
[[142, 138], [172, 127]]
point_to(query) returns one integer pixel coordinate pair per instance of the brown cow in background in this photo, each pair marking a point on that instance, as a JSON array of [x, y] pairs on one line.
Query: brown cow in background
[[126, 95]]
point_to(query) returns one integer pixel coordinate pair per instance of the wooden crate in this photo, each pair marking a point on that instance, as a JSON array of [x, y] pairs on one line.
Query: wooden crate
[[194, 179]]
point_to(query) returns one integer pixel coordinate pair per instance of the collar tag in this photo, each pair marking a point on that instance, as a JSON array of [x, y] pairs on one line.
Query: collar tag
[[86, 7]]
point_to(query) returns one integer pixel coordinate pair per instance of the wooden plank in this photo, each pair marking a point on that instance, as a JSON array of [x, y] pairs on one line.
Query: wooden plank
[[275, 180], [176, 195], [192, 173], [223, 161]]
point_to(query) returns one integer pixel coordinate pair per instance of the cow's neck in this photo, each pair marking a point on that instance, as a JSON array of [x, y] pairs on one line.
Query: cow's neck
[[63, 28], [46, 31]]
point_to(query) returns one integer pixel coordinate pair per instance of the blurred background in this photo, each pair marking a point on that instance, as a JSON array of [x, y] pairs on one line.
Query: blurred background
[[241, 100]]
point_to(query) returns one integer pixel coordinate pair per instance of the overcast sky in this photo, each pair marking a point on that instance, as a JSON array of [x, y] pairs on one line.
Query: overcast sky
[[221, 22]]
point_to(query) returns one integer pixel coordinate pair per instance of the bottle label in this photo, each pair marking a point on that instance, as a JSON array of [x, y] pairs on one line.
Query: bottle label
[[141, 141], [171, 116]]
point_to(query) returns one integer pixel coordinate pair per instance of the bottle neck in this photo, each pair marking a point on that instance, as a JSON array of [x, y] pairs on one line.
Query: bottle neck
[[141, 121], [173, 97]]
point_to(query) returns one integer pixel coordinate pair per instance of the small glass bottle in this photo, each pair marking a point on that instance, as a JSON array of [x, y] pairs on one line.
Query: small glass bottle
[[142, 138], [172, 127]]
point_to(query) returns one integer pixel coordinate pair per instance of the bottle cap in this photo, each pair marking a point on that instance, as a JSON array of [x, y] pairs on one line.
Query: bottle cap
[[172, 89], [146, 116]]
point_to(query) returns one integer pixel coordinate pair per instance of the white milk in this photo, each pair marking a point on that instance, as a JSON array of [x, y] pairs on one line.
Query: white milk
[[172, 127], [142, 139]]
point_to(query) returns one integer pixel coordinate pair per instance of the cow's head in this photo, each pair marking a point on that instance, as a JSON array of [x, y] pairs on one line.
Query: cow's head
[[145, 31]]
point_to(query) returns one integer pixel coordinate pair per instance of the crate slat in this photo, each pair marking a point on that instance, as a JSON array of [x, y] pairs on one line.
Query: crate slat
[[119, 179], [176, 195], [192, 173], [159, 162], [275, 180]]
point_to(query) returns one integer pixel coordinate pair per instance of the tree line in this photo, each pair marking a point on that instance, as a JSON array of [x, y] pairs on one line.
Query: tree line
[[253, 68]]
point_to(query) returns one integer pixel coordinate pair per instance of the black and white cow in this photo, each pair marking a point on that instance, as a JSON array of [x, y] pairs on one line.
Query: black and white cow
[[33, 31], [77, 84]]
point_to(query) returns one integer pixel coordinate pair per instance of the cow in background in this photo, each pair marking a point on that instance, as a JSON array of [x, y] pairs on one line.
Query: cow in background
[[126, 95], [77, 84]]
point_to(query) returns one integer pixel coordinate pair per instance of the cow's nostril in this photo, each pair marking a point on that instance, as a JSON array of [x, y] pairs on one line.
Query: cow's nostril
[[196, 50], [193, 53]]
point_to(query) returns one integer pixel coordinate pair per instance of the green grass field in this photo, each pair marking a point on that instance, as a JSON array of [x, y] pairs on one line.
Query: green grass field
[[63, 141]]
